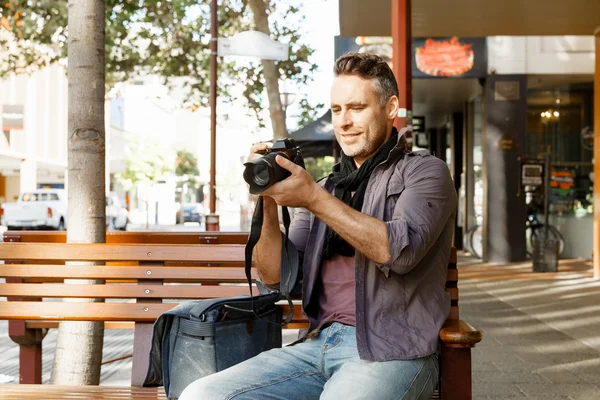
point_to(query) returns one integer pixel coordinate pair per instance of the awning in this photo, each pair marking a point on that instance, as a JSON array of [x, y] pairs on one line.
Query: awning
[[316, 139], [474, 18]]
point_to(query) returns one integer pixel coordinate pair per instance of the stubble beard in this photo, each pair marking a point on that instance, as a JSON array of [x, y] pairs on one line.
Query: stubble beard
[[368, 148]]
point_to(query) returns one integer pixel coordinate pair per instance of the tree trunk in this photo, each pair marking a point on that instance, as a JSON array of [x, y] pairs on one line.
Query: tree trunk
[[78, 355], [270, 72]]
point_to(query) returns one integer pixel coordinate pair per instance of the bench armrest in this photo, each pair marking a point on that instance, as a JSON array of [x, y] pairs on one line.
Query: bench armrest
[[458, 333]]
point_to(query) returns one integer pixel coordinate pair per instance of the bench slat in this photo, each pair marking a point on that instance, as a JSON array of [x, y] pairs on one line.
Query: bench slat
[[88, 392], [218, 253], [453, 293], [135, 237], [225, 274], [80, 392], [122, 291], [187, 272], [63, 311], [131, 325], [452, 275], [54, 325]]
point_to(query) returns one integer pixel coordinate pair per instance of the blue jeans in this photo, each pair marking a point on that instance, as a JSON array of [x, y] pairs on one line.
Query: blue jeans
[[326, 367]]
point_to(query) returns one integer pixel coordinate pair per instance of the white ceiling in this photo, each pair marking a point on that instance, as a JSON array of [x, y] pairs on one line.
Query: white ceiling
[[438, 98]]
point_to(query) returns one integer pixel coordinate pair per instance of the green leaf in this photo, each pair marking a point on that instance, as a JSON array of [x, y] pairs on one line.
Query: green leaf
[[166, 38]]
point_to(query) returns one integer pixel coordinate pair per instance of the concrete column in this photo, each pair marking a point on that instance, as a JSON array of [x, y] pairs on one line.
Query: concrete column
[[402, 57], [28, 175], [468, 173], [504, 138], [28, 169], [457, 167], [596, 246]]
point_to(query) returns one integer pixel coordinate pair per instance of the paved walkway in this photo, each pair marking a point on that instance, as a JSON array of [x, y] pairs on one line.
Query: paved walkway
[[541, 333]]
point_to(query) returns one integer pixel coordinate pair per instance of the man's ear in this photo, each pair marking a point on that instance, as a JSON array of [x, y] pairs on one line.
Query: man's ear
[[391, 108]]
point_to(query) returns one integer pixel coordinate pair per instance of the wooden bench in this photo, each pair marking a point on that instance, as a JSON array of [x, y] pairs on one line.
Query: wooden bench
[[136, 272]]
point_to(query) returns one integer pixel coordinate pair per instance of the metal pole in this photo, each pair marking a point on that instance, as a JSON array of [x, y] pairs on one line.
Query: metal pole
[[212, 219], [213, 104], [596, 236], [547, 193], [402, 57]]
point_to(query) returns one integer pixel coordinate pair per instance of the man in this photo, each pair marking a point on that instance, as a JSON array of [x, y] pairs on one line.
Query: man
[[375, 240]]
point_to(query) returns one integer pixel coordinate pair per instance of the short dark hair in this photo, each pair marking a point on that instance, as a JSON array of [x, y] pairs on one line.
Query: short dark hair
[[369, 66]]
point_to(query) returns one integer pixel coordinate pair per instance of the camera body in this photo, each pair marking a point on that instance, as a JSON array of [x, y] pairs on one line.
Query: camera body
[[262, 173]]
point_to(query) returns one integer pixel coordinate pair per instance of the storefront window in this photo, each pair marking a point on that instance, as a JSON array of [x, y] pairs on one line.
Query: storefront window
[[559, 119]]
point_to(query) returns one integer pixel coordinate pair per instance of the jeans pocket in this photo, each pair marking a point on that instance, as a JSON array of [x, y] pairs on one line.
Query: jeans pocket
[[427, 389], [426, 380]]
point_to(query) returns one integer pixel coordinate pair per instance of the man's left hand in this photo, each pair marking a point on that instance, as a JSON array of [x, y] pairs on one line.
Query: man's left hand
[[297, 190]]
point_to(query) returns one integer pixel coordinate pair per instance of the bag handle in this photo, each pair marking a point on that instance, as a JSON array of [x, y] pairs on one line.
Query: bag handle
[[289, 260]]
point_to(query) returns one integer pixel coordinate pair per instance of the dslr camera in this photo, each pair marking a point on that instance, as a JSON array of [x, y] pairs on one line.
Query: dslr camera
[[264, 172]]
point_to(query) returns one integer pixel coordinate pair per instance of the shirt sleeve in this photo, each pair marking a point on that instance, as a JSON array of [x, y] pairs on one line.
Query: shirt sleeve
[[300, 229], [422, 210]]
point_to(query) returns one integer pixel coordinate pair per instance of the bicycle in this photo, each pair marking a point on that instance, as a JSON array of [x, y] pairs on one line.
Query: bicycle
[[473, 237], [473, 241], [535, 229]]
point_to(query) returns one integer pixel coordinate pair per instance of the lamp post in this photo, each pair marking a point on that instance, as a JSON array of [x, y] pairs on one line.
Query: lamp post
[[288, 97]]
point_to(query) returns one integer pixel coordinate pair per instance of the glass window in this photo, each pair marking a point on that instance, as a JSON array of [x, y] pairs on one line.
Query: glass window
[[29, 197], [559, 119]]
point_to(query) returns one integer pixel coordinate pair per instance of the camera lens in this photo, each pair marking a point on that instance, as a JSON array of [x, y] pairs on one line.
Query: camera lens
[[261, 174]]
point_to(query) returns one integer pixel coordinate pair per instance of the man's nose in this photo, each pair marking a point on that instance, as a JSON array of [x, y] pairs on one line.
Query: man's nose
[[344, 121]]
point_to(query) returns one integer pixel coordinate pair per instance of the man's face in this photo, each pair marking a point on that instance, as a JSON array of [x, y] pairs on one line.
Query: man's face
[[361, 124]]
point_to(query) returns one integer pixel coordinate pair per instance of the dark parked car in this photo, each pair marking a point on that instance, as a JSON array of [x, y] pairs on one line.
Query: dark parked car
[[191, 213]]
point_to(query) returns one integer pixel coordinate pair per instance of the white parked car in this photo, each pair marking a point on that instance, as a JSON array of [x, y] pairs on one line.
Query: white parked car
[[117, 216], [47, 209], [37, 209]]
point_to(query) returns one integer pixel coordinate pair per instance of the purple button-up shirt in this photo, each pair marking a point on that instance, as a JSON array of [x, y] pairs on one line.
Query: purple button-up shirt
[[402, 304]]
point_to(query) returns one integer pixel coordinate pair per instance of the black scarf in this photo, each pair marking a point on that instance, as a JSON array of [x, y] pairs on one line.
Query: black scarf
[[347, 179]]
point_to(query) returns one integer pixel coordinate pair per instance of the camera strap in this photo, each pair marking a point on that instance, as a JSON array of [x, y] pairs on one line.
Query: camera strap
[[289, 256]]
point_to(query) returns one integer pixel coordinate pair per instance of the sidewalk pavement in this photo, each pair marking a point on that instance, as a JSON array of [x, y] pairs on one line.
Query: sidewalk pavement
[[541, 333]]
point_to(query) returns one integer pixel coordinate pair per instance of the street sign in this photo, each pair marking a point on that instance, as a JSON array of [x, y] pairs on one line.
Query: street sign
[[253, 44], [532, 174]]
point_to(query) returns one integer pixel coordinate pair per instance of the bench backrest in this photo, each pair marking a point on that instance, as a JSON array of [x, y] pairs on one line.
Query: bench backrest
[[200, 238], [138, 282], [144, 273]]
